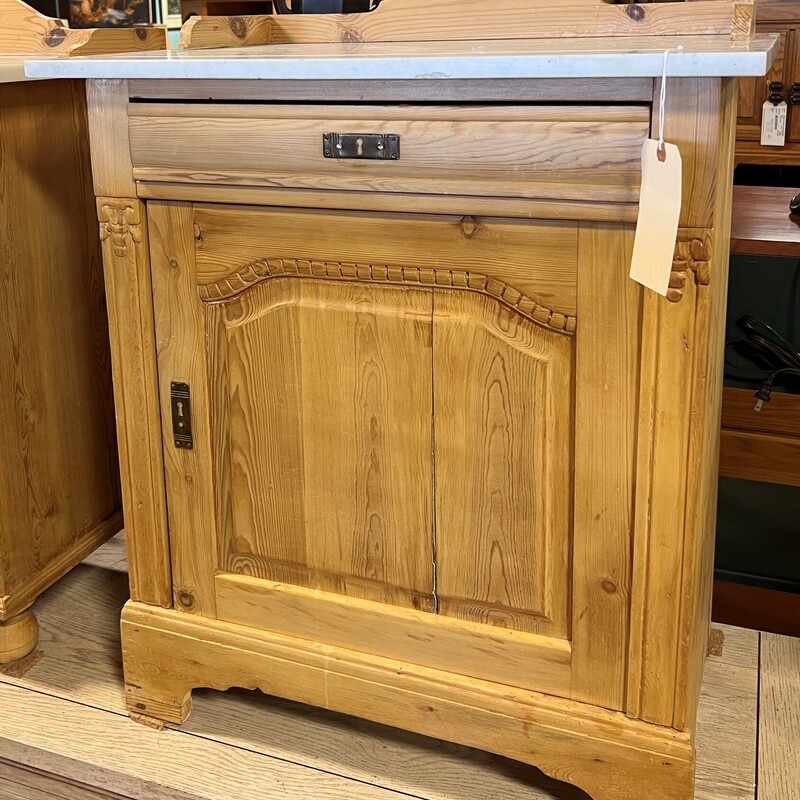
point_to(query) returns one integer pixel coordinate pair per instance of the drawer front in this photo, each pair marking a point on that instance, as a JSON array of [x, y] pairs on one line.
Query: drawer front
[[542, 152]]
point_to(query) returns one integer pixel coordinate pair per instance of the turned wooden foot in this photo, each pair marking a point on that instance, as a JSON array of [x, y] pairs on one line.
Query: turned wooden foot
[[18, 637]]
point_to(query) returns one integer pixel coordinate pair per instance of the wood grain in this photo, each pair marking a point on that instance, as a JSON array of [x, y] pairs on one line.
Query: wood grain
[[109, 137], [703, 463], [499, 654], [459, 205], [760, 457], [126, 260], [455, 20], [780, 416], [301, 746], [535, 259], [761, 222], [607, 754], [779, 730], [540, 152], [24, 30], [180, 336], [59, 483], [607, 373], [323, 444], [502, 409], [18, 637]]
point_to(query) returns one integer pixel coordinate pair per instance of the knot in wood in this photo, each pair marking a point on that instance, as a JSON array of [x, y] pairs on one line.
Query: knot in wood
[[635, 12], [468, 226], [238, 27], [55, 37]]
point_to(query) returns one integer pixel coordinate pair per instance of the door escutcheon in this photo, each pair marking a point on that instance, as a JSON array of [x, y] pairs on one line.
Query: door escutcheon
[[181, 415]]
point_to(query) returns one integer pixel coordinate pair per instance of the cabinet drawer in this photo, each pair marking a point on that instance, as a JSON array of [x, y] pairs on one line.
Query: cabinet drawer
[[544, 152]]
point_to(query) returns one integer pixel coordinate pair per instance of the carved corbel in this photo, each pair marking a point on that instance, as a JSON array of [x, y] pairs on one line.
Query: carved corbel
[[692, 256], [121, 222]]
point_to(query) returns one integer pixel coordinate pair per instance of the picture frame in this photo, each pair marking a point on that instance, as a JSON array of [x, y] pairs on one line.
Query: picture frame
[[110, 13], [171, 13]]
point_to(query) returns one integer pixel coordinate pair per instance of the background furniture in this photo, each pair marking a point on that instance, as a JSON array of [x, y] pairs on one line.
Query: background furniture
[[758, 538], [59, 483], [783, 18], [399, 434]]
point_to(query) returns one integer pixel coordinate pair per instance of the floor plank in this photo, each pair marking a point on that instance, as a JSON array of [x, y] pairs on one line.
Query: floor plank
[[287, 750], [779, 733]]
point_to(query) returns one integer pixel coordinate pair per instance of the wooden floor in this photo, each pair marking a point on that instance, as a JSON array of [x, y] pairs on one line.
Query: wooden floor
[[64, 732]]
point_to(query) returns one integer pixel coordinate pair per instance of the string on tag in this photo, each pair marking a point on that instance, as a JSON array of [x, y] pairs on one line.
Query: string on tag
[[661, 152]]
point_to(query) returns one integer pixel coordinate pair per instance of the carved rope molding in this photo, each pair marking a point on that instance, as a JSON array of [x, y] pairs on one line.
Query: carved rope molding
[[691, 255], [121, 223], [258, 271]]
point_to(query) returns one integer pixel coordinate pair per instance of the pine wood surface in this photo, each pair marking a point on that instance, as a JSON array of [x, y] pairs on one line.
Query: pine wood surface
[[416, 20], [541, 152], [226, 750], [539, 260], [634, 604], [26, 31], [59, 476]]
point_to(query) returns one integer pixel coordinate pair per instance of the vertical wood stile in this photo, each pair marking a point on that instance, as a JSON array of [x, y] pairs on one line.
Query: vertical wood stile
[[678, 422], [181, 347], [695, 614], [605, 413], [123, 231]]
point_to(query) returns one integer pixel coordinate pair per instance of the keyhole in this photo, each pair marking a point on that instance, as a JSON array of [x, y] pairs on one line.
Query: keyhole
[[360, 146], [180, 413]]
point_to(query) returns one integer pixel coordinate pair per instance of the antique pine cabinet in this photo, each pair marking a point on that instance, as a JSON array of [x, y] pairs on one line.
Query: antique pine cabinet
[[59, 482], [399, 436]]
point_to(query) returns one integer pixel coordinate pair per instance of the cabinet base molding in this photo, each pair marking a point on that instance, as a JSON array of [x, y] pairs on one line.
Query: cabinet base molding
[[26, 592], [603, 752], [18, 637]]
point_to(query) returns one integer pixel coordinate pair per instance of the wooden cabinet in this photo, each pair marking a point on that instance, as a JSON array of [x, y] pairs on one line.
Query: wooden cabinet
[[781, 17], [59, 483], [401, 437]]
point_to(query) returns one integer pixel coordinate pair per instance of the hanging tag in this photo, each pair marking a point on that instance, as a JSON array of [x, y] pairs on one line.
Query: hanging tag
[[659, 211], [773, 124]]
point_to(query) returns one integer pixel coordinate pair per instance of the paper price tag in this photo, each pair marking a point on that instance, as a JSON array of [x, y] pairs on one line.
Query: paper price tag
[[659, 211], [773, 124]]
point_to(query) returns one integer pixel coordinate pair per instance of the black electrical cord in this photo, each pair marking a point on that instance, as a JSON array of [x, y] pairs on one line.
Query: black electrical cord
[[775, 356]]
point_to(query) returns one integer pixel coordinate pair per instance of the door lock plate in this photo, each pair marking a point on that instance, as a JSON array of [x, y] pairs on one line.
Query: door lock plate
[[181, 415]]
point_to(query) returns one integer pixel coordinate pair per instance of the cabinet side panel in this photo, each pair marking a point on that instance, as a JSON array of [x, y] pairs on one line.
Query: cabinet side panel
[[59, 477], [704, 458], [609, 310], [679, 427]]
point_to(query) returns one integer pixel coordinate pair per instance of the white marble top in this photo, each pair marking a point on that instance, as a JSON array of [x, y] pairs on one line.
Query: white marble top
[[702, 56]]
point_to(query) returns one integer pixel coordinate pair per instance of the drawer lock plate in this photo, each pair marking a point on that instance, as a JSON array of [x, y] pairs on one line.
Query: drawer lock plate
[[361, 145]]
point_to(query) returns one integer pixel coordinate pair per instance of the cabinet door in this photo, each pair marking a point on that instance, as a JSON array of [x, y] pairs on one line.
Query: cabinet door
[[385, 412], [753, 92]]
